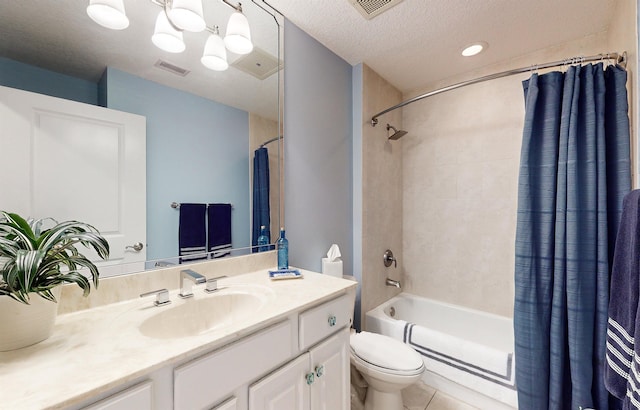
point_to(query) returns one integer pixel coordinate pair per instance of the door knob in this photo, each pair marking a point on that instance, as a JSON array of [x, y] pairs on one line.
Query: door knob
[[136, 246]]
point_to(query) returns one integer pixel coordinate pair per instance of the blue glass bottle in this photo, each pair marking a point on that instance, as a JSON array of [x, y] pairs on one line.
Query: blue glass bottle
[[263, 240], [283, 251]]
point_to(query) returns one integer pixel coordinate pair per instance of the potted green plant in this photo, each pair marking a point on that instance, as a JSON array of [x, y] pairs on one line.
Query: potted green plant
[[34, 261]]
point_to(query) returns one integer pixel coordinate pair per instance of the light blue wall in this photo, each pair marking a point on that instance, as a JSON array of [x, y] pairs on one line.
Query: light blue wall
[[197, 151], [38, 80], [318, 151]]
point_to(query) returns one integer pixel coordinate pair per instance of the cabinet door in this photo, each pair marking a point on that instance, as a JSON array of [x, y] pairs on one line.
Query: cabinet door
[[231, 404], [330, 363], [211, 378], [138, 397], [286, 388]]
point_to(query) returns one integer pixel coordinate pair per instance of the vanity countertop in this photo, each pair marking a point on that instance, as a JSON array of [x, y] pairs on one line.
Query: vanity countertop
[[92, 351]]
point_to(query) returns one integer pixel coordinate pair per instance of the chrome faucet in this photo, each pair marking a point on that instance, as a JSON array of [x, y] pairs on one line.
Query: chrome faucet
[[187, 279], [391, 282]]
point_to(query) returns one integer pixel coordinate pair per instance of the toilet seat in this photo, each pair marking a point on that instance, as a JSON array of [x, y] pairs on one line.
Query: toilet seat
[[386, 355]]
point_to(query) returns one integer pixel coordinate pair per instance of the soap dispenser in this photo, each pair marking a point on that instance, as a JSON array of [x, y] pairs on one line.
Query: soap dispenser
[[283, 251]]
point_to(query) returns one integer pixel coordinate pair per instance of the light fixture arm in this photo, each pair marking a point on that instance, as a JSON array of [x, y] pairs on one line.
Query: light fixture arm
[[213, 30], [237, 8], [165, 4]]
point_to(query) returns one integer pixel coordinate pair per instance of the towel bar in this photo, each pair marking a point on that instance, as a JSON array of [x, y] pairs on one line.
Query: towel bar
[[176, 205]]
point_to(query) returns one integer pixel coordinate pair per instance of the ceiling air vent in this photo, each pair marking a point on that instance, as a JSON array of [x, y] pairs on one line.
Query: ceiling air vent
[[371, 8], [172, 68], [258, 63]]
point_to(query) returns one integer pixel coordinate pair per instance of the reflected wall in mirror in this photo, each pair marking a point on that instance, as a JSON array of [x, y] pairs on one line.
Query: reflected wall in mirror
[[202, 129]]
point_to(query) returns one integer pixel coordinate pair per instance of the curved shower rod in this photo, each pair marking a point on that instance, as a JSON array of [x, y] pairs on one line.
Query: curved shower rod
[[619, 58]]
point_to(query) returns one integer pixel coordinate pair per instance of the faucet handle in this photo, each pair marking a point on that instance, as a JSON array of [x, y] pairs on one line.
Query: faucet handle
[[212, 284], [388, 258], [162, 296]]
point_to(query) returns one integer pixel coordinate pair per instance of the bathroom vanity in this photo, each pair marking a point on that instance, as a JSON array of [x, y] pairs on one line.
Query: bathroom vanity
[[254, 344]]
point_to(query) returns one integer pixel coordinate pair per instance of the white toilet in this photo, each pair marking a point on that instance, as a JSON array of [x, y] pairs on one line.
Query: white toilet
[[387, 365]]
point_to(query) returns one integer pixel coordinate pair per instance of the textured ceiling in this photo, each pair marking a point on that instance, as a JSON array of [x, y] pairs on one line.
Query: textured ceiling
[[418, 42], [413, 44]]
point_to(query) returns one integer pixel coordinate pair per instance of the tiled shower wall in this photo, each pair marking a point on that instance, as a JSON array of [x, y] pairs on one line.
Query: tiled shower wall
[[460, 174], [381, 191]]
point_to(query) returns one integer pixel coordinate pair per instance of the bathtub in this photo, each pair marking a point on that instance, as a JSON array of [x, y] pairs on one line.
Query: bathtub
[[468, 354]]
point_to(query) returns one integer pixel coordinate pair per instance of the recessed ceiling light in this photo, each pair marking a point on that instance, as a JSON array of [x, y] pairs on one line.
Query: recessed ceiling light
[[474, 49]]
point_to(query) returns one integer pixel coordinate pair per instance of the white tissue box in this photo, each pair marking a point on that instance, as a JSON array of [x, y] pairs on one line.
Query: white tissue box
[[332, 268]]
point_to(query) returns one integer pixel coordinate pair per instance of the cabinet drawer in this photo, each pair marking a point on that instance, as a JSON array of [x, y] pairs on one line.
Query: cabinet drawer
[[211, 378], [321, 321]]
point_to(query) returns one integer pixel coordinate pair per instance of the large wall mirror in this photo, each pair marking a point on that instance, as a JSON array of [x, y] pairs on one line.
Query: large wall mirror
[[204, 128]]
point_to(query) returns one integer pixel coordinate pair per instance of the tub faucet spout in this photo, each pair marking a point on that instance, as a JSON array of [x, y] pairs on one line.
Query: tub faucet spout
[[391, 282]]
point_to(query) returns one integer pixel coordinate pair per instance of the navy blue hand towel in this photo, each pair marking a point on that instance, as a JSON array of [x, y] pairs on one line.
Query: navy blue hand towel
[[622, 352], [192, 234], [219, 225]]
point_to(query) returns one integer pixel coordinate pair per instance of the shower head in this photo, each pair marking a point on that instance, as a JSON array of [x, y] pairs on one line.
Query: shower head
[[396, 134]]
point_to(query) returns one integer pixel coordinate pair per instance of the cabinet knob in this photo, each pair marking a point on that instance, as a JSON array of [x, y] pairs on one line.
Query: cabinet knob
[[319, 370], [309, 377], [332, 320]]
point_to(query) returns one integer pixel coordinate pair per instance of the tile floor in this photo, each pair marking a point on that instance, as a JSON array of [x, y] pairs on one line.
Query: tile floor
[[423, 397]]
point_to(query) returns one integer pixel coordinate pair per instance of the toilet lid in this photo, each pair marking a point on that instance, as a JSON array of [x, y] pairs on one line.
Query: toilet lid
[[385, 352]]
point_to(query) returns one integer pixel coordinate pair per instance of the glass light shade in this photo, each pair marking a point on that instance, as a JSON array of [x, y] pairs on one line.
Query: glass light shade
[[165, 37], [238, 37], [187, 15], [108, 13], [215, 55]]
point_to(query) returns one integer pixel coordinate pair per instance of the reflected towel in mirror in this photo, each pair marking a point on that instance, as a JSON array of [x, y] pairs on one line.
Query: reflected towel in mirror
[[192, 234], [219, 226]]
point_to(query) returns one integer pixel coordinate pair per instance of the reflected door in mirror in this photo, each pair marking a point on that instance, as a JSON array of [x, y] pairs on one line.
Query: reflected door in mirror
[[76, 162]]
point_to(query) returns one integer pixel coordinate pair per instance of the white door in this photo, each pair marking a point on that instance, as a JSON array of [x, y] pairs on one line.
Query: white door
[[74, 161], [330, 363], [284, 389]]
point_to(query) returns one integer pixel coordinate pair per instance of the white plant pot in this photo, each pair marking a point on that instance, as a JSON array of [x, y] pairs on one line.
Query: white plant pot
[[24, 325]]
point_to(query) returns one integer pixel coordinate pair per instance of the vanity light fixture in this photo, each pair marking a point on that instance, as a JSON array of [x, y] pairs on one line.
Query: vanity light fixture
[[187, 15], [178, 16], [108, 13], [215, 55], [474, 49], [166, 36], [238, 37]]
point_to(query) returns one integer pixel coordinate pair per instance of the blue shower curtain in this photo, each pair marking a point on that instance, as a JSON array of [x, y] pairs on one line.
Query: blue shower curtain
[[261, 210], [574, 172]]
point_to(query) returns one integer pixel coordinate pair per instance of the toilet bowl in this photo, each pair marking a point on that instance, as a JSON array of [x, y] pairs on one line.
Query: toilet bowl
[[387, 365]]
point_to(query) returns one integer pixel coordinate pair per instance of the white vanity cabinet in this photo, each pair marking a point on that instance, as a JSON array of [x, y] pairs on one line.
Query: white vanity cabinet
[[231, 404], [317, 380], [315, 376], [139, 397], [291, 354], [330, 363], [207, 380]]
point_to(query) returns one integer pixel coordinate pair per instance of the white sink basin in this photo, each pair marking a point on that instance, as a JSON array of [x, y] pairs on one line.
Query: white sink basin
[[206, 312]]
